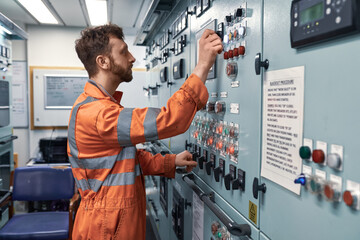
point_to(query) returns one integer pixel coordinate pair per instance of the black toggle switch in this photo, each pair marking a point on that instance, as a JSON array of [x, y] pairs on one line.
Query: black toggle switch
[[219, 170], [201, 162], [228, 178], [228, 18], [239, 183], [195, 156], [187, 144], [208, 167]]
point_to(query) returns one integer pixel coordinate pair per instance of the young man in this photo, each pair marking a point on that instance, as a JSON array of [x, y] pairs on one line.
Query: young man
[[108, 169]]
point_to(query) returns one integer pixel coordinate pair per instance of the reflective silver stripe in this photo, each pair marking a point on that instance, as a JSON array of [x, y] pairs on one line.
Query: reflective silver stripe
[[150, 127], [123, 127], [71, 129], [103, 162], [119, 179], [82, 184]]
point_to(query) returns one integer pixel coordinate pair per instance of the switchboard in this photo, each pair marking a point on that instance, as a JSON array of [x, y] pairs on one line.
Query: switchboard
[[276, 143]]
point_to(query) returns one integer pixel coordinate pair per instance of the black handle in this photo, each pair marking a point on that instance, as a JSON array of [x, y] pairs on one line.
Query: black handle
[[257, 188], [187, 204], [168, 83], [12, 138], [181, 170], [227, 179], [259, 64], [201, 162], [233, 227], [217, 172], [187, 144], [209, 166]]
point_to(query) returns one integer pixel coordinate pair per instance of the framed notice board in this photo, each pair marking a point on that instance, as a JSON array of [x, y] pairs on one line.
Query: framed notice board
[[52, 94]]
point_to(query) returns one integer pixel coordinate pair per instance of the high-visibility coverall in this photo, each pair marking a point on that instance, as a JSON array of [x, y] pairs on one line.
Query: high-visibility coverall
[[108, 169]]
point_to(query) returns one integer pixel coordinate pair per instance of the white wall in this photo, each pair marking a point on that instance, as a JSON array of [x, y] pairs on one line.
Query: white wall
[[54, 46]]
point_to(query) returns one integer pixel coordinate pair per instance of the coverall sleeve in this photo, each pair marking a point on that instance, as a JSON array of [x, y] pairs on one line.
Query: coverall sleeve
[[157, 164], [129, 126]]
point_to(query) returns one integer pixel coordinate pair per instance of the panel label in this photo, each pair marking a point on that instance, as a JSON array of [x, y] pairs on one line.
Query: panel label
[[198, 218], [283, 101], [253, 212]]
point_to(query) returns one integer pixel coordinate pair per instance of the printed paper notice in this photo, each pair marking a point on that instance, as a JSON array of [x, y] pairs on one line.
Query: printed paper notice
[[282, 134], [198, 218]]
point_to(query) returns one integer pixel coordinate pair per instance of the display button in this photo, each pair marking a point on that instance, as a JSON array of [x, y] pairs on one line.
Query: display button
[[305, 152], [328, 11], [242, 50], [349, 198], [338, 19], [334, 161], [318, 156]]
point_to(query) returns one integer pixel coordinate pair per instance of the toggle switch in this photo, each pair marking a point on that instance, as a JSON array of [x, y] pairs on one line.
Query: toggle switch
[[239, 183], [219, 170], [239, 12], [201, 161], [228, 178], [210, 164]]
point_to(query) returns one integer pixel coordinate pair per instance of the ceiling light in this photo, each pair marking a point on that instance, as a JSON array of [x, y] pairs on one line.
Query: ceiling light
[[2, 28], [97, 10], [38, 9]]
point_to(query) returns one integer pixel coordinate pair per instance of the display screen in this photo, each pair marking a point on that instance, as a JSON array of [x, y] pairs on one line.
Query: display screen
[[312, 13]]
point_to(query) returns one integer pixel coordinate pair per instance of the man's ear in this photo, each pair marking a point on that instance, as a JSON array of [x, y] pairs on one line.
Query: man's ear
[[103, 62]]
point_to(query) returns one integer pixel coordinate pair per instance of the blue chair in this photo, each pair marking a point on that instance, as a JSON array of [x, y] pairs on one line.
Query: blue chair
[[41, 184]]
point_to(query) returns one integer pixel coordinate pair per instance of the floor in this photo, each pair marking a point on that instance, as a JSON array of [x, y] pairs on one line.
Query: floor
[[149, 231]]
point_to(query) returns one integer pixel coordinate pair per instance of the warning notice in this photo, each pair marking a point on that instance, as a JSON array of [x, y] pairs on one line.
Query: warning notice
[[283, 103]]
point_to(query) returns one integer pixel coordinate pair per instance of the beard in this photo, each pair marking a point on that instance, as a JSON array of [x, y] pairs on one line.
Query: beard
[[125, 75]]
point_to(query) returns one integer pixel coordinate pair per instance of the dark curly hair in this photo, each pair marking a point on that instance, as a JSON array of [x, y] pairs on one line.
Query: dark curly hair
[[94, 41]]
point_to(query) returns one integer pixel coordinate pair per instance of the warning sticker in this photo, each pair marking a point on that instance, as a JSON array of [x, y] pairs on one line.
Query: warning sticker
[[253, 212]]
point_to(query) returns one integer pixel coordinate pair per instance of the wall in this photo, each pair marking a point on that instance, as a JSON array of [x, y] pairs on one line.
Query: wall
[[54, 46]]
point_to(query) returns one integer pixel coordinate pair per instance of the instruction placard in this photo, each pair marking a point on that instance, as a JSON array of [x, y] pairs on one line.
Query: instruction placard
[[282, 134], [198, 218]]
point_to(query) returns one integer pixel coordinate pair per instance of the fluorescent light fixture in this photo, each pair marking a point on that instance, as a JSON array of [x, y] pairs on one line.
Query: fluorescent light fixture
[[2, 28], [97, 10], [38, 9]]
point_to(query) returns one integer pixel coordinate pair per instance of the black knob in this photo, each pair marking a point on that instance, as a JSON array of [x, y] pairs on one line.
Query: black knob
[[208, 167], [187, 144], [228, 18], [259, 64], [239, 12], [201, 162], [228, 178], [217, 172], [220, 34], [238, 184], [257, 188], [172, 49]]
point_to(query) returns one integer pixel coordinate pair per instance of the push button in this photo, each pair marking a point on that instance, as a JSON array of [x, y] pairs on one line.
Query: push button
[[305, 152], [318, 156], [349, 198]]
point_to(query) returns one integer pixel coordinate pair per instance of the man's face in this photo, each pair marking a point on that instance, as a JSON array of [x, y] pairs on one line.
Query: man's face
[[121, 60]]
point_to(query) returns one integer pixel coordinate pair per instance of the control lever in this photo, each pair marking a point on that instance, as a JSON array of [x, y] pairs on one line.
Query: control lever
[[168, 83], [257, 188], [187, 144], [181, 170], [228, 178], [259, 64], [208, 167], [201, 162], [217, 172], [187, 204]]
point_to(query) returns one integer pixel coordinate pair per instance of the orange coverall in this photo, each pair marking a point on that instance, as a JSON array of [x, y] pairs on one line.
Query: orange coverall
[[108, 169]]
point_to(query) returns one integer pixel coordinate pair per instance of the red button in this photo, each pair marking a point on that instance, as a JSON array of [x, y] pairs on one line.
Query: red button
[[226, 55], [231, 54], [329, 192], [236, 52], [242, 50], [318, 156], [348, 198]]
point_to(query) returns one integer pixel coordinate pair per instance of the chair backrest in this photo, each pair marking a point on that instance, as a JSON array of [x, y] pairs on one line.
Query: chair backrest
[[42, 183]]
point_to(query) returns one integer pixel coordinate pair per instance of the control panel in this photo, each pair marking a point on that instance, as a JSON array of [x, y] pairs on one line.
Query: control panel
[[277, 139]]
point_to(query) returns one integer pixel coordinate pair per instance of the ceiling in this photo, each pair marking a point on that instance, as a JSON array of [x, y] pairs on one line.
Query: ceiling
[[128, 14]]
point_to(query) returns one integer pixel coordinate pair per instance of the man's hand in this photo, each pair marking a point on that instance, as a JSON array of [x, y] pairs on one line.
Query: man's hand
[[210, 45], [185, 159]]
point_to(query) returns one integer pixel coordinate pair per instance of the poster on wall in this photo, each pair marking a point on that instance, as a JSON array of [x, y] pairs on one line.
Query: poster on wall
[[282, 134], [19, 94]]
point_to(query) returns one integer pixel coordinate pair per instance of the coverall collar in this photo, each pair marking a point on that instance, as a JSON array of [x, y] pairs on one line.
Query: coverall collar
[[95, 90]]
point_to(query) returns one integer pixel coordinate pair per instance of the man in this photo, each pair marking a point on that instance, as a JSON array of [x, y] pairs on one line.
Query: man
[[107, 167]]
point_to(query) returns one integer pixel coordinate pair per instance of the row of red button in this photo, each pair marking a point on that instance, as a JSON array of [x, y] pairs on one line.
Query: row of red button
[[240, 51]]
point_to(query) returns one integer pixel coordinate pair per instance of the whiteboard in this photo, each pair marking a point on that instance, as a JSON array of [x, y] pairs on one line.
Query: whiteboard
[[52, 100], [20, 108], [61, 91]]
